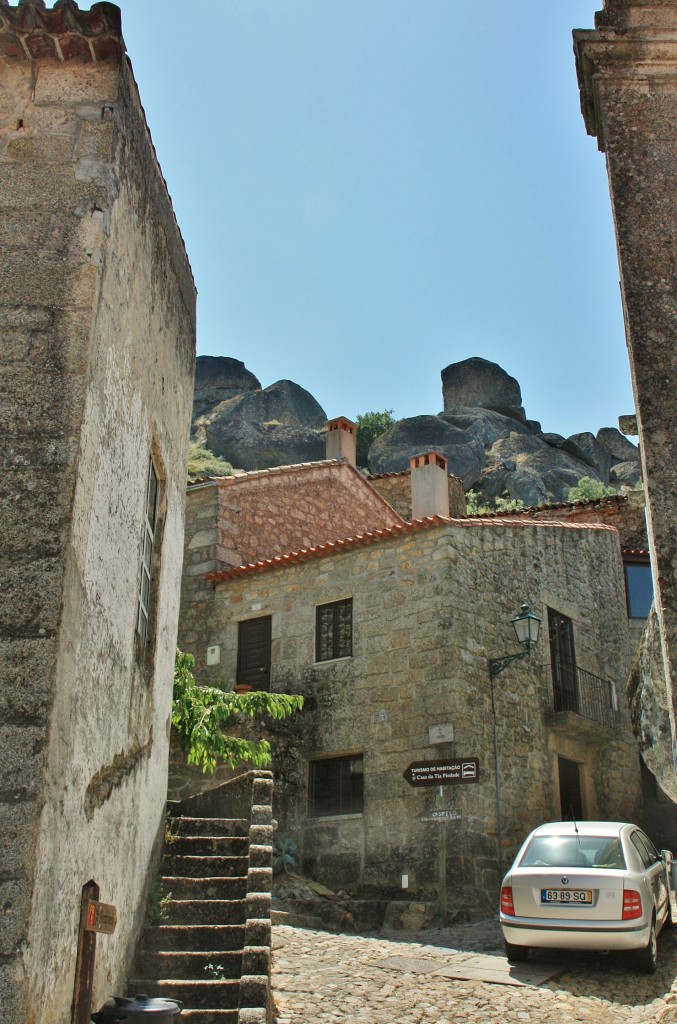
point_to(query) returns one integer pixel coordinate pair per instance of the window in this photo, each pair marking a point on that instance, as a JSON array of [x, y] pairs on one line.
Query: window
[[638, 588], [336, 786], [563, 661], [143, 616], [254, 652], [645, 848], [334, 630]]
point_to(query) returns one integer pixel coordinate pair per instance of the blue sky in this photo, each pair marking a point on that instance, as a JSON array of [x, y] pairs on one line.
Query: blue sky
[[370, 190]]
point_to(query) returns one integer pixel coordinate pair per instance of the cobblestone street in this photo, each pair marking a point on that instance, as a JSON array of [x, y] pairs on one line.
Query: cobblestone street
[[323, 978]]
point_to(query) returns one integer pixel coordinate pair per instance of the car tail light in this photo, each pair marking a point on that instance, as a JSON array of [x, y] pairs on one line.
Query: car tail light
[[632, 905], [507, 905]]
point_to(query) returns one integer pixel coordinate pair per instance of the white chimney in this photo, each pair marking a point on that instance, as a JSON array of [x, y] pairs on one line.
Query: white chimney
[[429, 485], [341, 440]]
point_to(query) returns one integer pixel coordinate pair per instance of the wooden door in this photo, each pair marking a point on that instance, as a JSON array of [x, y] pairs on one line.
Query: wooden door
[[253, 653]]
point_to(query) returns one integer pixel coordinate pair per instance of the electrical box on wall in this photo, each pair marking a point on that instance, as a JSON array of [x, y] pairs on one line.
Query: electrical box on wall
[[214, 655]]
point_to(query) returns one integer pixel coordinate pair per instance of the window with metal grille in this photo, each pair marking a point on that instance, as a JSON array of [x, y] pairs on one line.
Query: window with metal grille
[[143, 616], [336, 786], [334, 630]]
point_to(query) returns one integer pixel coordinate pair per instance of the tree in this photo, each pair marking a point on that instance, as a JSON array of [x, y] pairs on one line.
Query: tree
[[475, 507], [202, 462], [588, 489], [200, 714], [371, 425]]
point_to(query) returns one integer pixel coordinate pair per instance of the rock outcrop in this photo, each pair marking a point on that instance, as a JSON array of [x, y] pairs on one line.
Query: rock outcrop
[[483, 431], [496, 450], [478, 382], [254, 428]]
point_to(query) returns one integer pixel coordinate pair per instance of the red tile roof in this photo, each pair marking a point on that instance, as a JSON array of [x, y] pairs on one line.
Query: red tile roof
[[377, 536]]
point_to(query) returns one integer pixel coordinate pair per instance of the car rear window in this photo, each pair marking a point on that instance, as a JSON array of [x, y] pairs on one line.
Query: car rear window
[[574, 852]]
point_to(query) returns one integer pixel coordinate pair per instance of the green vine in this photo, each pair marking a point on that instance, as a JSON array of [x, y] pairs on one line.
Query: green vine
[[200, 715]]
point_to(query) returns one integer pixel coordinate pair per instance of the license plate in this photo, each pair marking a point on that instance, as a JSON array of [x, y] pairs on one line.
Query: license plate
[[566, 895]]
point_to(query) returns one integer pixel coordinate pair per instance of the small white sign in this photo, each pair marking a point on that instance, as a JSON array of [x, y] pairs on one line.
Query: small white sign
[[443, 733], [214, 655], [445, 815]]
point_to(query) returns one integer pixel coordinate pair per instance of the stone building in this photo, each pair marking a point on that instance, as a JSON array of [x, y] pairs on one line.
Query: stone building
[[627, 74], [97, 307], [387, 630]]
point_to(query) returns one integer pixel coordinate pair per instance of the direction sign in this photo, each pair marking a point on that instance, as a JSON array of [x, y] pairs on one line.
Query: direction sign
[[101, 917], [443, 773]]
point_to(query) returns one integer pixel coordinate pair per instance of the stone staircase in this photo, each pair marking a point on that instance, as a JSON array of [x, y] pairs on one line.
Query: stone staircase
[[212, 949]]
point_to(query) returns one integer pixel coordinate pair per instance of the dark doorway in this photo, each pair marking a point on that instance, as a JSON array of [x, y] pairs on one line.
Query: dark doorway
[[563, 660], [253, 653], [570, 790]]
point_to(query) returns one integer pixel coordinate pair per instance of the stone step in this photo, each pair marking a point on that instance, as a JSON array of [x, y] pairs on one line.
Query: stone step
[[204, 888], [208, 846], [201, 912], [297, 920], [190, 866], [199, 966], [194, 938], [208, 827], [210, 1016], [195, 995]]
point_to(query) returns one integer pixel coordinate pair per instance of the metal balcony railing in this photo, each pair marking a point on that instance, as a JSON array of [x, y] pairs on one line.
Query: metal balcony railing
[[573, 689]]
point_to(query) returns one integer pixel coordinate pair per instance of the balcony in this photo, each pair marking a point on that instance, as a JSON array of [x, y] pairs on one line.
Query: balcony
[[579, 702]]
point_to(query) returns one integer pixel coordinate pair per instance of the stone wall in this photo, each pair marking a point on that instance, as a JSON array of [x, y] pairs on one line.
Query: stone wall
[[430, 607], [97, 306], [396, 489], [627, 74], [232, 521], [278, 510]]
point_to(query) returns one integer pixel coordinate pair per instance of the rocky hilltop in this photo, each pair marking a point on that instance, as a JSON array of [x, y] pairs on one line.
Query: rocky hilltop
[[483, 431]]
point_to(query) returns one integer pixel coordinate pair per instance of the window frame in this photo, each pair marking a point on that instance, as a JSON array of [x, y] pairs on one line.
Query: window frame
[[338, 652], [635, 563], [348, 799], [148, 550]]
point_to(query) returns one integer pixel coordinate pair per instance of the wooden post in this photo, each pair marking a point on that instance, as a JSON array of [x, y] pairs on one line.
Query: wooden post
[[84, 966]]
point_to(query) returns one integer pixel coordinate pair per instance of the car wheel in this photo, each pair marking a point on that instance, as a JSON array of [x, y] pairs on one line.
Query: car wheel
[[668, 922], [517, 954], [647, 958]]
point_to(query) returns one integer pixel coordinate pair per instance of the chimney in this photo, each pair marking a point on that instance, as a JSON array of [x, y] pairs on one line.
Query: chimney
[[341, 441], [429, 485]]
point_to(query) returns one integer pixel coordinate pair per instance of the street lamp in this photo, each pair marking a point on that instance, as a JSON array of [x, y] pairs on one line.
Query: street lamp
[[526, 625]]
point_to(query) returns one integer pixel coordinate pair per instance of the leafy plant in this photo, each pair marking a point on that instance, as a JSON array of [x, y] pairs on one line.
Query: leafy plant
[[157, 907], [284, 854], [215, 971], [200, 715], [588, 489], [203, 462], [371, 425], [475, 507]]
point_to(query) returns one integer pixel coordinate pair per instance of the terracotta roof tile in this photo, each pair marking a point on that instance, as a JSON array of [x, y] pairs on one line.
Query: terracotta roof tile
[[391, 533]]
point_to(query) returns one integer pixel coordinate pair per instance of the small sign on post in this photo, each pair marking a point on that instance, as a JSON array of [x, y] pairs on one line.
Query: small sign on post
[[101, 917]]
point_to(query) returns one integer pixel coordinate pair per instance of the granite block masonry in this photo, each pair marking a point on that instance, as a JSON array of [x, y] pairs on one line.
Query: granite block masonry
[[97, 315], [627, 74], [430, 603]]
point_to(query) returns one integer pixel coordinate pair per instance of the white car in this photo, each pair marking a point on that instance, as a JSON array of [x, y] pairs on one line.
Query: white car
[[587, 885]]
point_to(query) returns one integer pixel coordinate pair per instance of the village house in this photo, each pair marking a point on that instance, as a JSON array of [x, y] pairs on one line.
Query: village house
[[97, 310], [387, 628]]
